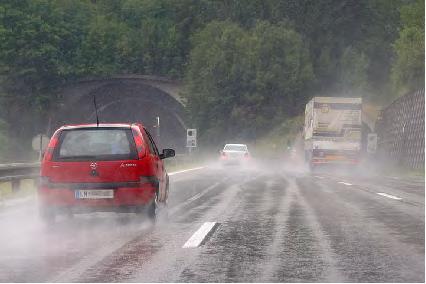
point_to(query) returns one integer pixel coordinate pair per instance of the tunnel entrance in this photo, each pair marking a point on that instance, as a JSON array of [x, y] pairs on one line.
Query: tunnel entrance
[[124, 101]]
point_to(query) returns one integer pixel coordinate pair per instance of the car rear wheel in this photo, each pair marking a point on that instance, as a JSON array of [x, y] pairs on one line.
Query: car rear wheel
[[152, 209], [47, 215]]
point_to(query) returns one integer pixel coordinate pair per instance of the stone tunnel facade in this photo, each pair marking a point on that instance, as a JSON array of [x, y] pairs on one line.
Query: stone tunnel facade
[[127, 99]]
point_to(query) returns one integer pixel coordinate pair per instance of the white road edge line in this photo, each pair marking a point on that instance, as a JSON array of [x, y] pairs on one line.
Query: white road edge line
[[319, 177], [184, 171], [196, 196], [345, 183], [198, 237], [389, 196]]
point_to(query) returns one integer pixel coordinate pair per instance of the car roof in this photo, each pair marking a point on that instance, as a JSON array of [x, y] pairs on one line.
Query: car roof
[[235, 145], [101, 125]]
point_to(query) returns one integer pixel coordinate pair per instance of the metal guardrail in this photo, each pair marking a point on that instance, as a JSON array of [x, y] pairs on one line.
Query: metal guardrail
[[18, 166], [15, 172]]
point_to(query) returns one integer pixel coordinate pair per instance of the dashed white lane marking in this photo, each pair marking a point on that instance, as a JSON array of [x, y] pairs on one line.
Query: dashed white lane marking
[[319, 177], [198, 237], [345, 183], [389, 196], [184, 171]]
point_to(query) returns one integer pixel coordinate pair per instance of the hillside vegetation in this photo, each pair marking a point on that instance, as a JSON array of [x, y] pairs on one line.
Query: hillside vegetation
[[248, 66]]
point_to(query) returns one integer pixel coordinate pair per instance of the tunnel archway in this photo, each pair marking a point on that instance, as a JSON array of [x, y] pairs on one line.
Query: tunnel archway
[[126, 100]]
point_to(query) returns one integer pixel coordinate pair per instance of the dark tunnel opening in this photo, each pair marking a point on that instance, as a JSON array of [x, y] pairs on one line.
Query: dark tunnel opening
[[123, 102]]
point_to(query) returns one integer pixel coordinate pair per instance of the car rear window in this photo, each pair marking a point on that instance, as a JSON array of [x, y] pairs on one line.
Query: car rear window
[[95, 144], [235, 148]]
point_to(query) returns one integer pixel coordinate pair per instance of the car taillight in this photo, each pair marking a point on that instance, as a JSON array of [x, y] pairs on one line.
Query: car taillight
[[246, 155], [51, 147], [223, 155], [139, 143], [153, 180]]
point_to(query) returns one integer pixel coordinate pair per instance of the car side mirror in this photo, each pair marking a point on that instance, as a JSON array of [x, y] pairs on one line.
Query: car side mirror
[[167, 153]]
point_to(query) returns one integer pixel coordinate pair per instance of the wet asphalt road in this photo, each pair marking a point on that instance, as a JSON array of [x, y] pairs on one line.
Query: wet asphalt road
[[275, 225]]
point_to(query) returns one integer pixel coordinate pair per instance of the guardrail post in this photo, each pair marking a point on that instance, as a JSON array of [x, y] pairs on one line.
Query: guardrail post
[[15, 185]]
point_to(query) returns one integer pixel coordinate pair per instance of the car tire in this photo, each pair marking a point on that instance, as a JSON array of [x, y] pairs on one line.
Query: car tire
[[152, 210]]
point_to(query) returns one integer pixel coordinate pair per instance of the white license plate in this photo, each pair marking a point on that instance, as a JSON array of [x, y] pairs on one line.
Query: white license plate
[[94, 193]]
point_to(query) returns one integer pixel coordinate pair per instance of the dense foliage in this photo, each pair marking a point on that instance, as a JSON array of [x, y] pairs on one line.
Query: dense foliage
[[409, 67], [246, 63], [243, 81]]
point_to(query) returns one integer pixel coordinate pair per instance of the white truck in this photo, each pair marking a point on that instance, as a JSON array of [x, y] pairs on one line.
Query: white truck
[[333, 131]]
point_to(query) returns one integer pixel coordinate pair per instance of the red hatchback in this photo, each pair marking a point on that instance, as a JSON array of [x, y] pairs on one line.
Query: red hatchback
[[105, 167]]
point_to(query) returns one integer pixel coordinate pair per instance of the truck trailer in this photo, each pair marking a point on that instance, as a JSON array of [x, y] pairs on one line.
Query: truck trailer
[[332, 131]]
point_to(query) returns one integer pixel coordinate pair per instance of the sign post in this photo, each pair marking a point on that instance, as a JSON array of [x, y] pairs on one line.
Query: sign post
[[371, 143], [191, 139], [39, 143]]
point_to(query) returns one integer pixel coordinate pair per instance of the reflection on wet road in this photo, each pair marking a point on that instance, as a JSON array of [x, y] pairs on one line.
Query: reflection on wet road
[[273, 226]]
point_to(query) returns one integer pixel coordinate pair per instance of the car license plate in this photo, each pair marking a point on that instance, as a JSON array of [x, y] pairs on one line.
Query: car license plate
[[336, 157], [94, 193]]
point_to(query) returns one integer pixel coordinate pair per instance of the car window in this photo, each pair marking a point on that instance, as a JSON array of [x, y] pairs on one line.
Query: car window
[[152, 148], [235, 148], [89, 144]]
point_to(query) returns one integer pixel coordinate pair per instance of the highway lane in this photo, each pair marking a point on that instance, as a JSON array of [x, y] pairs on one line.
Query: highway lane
[[273, 225]]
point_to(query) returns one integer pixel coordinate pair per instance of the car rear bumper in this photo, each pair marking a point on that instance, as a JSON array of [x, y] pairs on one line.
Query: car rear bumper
[[316, 161], [234, 161], [122, 197], [81, 209]]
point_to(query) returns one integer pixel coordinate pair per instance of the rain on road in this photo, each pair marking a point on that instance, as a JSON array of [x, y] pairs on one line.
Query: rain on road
[[270, 226]]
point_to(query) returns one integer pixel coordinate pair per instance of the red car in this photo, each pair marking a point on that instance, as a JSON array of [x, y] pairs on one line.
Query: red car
[[105, 167]]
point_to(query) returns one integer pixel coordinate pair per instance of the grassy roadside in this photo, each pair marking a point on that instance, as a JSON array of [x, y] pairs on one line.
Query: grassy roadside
[[280, 139], [403, 172], [182, 162]]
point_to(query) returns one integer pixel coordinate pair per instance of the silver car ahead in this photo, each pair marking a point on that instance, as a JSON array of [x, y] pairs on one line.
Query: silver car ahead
[[234, 154]]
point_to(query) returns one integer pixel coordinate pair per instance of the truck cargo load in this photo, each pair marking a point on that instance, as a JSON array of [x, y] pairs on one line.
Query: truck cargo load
[[333, 131]]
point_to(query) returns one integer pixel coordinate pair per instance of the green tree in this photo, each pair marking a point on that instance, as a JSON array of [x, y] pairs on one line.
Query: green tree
[[352, 77], [105, 48], [240, 82], [408, 69]]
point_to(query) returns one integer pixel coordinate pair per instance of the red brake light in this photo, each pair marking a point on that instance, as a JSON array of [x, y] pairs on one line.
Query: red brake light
[[51, 147], [139, 142], [246, 155]]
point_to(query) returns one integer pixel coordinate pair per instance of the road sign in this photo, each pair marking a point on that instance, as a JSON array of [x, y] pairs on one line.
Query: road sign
[[191, 138], [371, 143], [40, 142]]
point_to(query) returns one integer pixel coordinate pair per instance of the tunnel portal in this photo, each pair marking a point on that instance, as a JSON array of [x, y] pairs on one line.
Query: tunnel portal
[[127, 100]]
